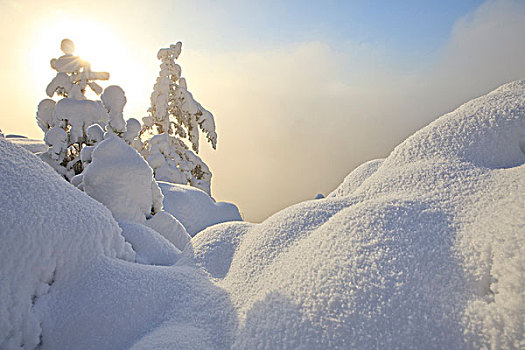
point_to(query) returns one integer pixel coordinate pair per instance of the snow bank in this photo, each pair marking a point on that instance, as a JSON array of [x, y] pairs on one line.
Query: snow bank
[[121, 305], [422, 250], [49, 231], [194, 208]]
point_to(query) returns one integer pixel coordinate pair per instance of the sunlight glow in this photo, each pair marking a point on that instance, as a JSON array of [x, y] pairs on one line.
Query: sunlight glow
[[98, 44]]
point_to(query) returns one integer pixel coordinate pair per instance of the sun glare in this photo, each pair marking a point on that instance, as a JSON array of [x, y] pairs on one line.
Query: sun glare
[[102, 47]]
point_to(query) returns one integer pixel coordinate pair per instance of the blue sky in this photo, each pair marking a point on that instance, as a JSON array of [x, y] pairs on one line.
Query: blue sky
[[402, 26]]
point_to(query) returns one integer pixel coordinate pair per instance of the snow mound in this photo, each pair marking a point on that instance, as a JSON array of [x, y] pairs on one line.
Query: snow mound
[[49, 231], [356, 178], [151, 248], [424, 251], [194, 208], [119, 178], [486, 132], [170, 228], [121, 305]]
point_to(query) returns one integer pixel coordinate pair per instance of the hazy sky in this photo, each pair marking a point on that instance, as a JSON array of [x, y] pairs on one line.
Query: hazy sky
[[302, 91]]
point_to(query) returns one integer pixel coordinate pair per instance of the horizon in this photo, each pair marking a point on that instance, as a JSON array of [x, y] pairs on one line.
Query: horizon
[[299, 101]]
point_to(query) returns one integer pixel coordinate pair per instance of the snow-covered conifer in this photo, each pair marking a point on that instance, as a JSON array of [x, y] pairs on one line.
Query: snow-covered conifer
[[175, 116], [73, 74], [66, 122]]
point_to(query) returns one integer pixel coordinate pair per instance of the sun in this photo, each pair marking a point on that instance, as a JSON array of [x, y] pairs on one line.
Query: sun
[[102, 46]]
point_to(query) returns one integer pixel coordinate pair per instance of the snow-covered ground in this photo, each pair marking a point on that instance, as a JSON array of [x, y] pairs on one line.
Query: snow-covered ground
[[424, 249]]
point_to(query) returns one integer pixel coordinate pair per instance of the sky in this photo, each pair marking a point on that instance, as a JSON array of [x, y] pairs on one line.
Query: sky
[[302, 91]]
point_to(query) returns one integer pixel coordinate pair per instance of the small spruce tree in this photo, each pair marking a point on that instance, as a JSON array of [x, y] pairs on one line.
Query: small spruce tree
[[66, 123], [174, 120]]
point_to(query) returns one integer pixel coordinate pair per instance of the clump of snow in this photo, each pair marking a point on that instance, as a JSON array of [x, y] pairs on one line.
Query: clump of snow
[[119, 178], [194, 208], [114, 101], [150, 247], [132, 130], [49, 231], [74, 74], [78, 115], [44, 114], [170, 228]]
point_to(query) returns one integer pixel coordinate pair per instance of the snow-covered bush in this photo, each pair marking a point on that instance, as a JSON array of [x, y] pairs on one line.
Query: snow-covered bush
[[174, 115]]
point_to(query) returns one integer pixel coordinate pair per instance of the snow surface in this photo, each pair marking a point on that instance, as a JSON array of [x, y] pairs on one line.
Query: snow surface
[[425, 250], [119, 178], [151, 247], [170, 228], [49, 232], [32, 145], [194, 208], [356, 178]]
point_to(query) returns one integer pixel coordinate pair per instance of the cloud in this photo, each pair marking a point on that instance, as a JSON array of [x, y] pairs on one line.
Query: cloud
[[294, 121]]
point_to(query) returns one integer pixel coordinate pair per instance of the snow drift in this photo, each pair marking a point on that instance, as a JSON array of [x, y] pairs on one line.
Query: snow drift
[[194, 208], [49, 232], [424, 249]]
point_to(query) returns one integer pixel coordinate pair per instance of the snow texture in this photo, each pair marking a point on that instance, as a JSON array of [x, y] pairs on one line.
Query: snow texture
[[425, 250], [119, 178], [422, 250], [49, 232], [356, 178], [150, 247], [170, 228], [194, 208], [32, 145]]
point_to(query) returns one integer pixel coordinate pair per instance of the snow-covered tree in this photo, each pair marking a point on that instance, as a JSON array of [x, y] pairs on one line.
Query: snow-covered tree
[[73, 74], [66, 123], [175, 116]]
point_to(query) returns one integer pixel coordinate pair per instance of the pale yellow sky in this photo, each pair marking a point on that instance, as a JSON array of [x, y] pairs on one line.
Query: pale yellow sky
[[293, 118]]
